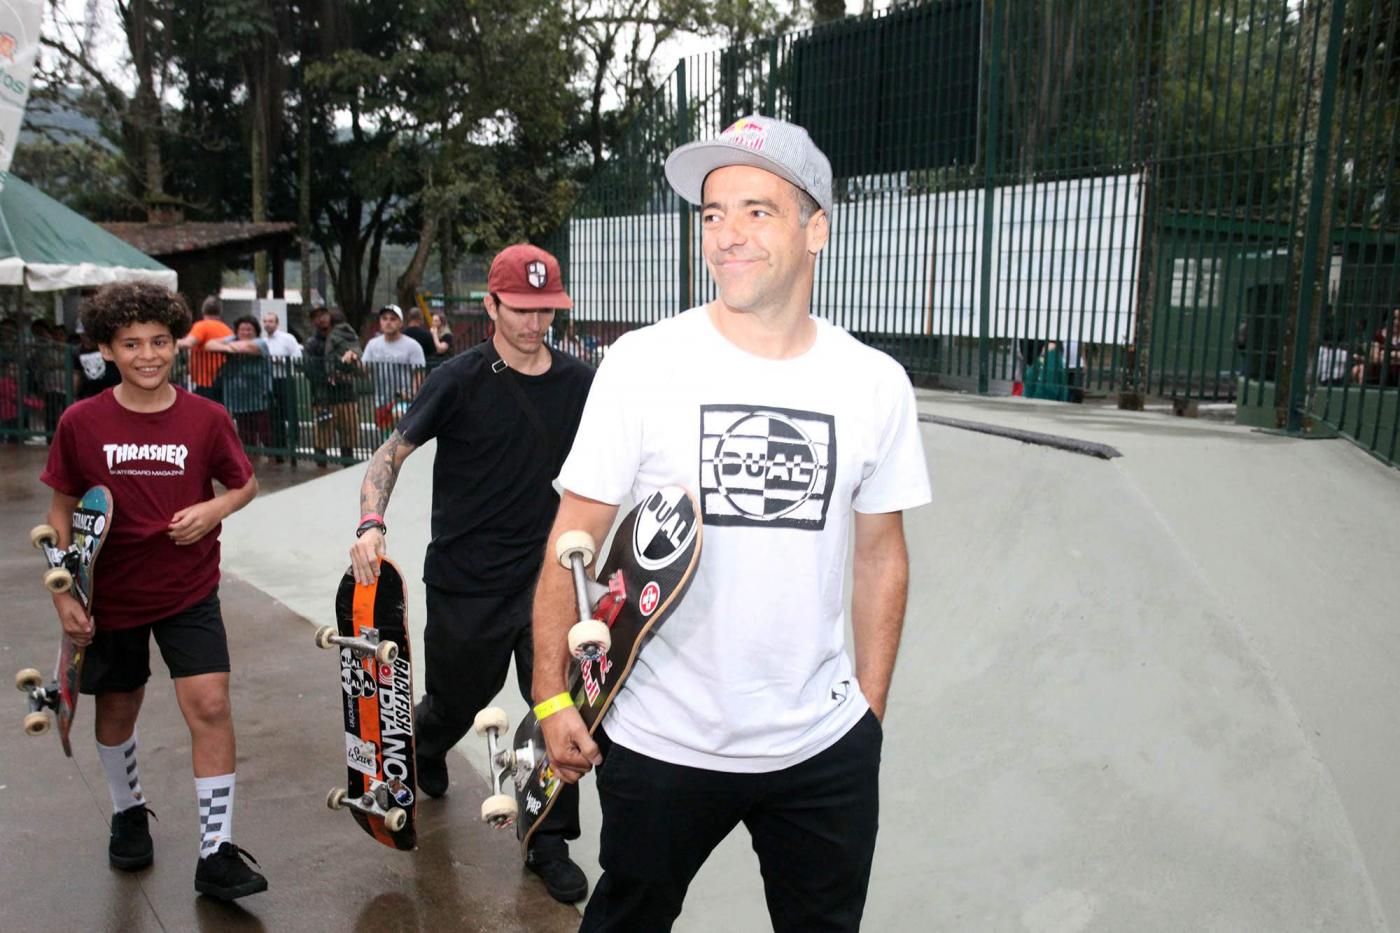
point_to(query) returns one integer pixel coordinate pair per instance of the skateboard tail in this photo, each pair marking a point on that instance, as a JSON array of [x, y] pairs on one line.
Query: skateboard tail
[[369, 705]]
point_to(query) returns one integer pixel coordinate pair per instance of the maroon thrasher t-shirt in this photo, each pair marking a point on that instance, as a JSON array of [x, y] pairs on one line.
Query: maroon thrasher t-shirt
[[155, 464]]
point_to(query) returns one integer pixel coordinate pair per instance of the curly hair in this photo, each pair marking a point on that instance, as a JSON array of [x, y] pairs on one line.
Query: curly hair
[[248, 319], [123, 304]]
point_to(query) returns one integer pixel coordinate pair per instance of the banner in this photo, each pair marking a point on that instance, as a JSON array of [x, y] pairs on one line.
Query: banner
[[19, 47]]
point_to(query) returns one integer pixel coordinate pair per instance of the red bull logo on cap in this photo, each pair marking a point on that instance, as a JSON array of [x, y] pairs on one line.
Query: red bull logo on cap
[[746, 132], [8, 45]]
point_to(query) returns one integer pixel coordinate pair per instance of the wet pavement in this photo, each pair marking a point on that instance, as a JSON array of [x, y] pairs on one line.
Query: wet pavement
[[1149, 693], [323, 871]]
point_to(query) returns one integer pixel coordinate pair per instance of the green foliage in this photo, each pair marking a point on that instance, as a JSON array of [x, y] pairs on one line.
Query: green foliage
[[82, 174]]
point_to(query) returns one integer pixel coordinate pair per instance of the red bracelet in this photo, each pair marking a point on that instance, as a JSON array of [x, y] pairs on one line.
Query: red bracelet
[[371, 517]]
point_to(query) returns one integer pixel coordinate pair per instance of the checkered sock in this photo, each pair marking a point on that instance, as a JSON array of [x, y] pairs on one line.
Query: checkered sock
[[119, 762], [215, 796]]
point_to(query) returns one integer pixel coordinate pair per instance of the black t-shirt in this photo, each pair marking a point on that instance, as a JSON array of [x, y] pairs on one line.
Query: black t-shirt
[[425, 339], [94, 373], [493, 492]]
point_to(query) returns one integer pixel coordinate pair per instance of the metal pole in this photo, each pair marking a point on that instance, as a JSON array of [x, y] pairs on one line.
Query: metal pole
[[1317, 195], [989, 195], [683, 209]]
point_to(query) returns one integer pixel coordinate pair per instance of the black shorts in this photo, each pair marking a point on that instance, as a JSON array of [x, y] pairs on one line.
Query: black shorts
[[191, 641]]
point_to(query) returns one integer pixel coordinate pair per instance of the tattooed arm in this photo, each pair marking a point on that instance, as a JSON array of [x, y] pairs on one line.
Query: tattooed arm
[[379, 481]]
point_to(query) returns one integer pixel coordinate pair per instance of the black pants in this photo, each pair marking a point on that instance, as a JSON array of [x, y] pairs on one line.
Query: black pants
[[468, 644], [813, 828], [284, 414]]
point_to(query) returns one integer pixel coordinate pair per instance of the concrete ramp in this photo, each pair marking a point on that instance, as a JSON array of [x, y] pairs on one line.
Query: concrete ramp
[[1081, 734], [1133, 694]]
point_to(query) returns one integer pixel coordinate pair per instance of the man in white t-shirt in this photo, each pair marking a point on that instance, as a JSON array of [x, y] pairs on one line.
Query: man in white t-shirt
[[745, 707], [282, 349], [279, 342], [396, 362]]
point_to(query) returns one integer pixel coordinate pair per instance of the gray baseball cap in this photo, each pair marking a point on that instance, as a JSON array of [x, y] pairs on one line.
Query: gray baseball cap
[[782, 148]]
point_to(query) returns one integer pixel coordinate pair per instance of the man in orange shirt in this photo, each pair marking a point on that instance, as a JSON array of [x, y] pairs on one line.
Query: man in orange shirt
[[205, 366]]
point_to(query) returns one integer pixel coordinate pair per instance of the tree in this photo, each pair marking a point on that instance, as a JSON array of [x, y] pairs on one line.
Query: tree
[[828, 11], [445, 113], [70, 80], [618, 41]]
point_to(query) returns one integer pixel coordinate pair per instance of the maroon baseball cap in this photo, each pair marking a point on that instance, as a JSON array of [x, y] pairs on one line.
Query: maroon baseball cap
[[525, 276]]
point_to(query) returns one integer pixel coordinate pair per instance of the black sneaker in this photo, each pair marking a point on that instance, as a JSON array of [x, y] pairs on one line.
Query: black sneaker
[[432, 776], [130, 847], [564, 880], [226, 876]]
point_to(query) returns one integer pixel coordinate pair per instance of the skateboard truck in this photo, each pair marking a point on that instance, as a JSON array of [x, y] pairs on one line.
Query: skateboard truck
[[379, 801], [385, 652], [591, 636], [42, 698], [500, 809], [62, 561]]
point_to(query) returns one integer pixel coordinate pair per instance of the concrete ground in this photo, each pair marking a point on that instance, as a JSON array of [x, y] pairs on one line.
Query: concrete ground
[[1150, 693], [324, 873]]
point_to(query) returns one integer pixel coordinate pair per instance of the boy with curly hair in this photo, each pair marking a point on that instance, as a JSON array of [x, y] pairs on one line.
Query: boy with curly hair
[[158, 448]]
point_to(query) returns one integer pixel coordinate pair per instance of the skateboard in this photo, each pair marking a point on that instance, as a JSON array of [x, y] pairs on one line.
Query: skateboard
[[69, 569], [653, 558], [376, 684]]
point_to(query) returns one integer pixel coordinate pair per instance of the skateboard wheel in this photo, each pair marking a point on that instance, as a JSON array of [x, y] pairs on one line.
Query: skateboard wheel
[[574, 542], [396, 819], [43, 535], [500, 810], [58, 580], [336, 798], [323, 636], [386, 653], [36, 723], [27, 679], [489, 719], [589, 639]]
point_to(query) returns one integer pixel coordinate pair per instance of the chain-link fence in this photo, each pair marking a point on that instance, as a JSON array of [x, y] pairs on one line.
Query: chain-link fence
[[1191, 199]]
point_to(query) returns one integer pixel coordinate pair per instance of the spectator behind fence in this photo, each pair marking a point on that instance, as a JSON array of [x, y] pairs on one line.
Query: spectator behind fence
[[283, 348], [247, 381], [1381, 363], [433, 341], [48, 388], [91, 373], [567, 338], [1046, 377], [331, 359], [395, 362], [205, 366]]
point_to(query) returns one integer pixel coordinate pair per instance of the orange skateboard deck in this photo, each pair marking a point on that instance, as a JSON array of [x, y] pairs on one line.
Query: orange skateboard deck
[[376, 684]]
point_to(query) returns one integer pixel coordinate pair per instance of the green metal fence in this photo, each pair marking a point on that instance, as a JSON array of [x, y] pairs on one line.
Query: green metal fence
[[291, 409], [36, 384], [1190, 199], [295, 410]]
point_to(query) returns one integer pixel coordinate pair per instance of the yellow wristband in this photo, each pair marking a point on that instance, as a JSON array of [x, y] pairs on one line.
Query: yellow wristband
[[546, 708]]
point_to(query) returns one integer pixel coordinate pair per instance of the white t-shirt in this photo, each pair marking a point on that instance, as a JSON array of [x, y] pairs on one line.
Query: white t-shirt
[[751, 673], [400, 350], [280, 343], [395, 380]]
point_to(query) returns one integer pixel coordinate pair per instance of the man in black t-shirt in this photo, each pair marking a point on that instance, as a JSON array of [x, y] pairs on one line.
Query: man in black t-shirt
[[504, 415], [432, 340]]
